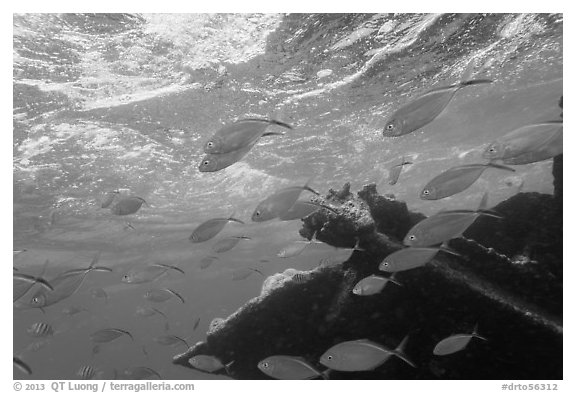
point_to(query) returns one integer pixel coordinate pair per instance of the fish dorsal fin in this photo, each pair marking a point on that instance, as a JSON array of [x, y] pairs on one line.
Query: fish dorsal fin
[[232, 218], [475, 333], [173, 292], [307, 186]]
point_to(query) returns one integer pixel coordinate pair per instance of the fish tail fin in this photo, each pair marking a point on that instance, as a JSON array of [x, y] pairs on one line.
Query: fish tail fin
[[177, 295], [475, 82], [490, 213], [498, 166], [400, 351], [44, 283], [357, 245], [307, 186], [258, 271], [272, 133], [94, 260], [227, 367], [232, 218], [326, 373], [475, 333], [444, 247], [392, 279], [280, 123]]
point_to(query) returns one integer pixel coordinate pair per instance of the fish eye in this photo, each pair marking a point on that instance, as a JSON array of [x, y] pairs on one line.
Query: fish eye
[[492, 150], [426, 192], [265, 365], [210, 144], [329, 357], [206, 163], [390, 126], [125, 277], [35, 300], [386, 264], [412, 237], [257, 213]]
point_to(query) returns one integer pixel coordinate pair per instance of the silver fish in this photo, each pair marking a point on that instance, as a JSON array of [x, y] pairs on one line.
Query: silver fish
[[162, 295], [361, 355], [294, 249], [100, 293], [40, 329], [208, 229], [239, 135], [456, 180], [149, 312], [65, 285], [228, 243], [395, 171], [196, 324], [127, 205], [35, 346], [424, 109], [455, 343], [279, 203], [86, 372], [21, 365], [170, 340], [244, 272], [372, 285], [207, 363], [140, 372], [109, 198], [207, 261], [217, 162], [446, 225], [527, 144], [108, 334], [73, 310], [411, 258], [22, 283], [148, 273], [301, 209], [288, 367]]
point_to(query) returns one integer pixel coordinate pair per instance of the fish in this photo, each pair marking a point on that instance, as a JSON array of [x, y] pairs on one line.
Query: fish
[[207, 261], [456, 343], [361, 355], [294, 249], [21, 365], [148, 273], [240, 134], [170, 339], [151, 311], [394, 172], [446, 225], [301, 209], [424, 109], [196, 324], [244, 272], [228, 243], [288, 367], [86, 372], [18, 252], [372, 285], [456, 180], [411, 258], [140, 372], [217, 162], [108, 334], [127, 205], [162, 295], [110, 195], [279, 203], [100, 293], [40, 329], [207, 363], [208, 229], [527, 144], [37, 345], [65, 285], [22, 283], [72, 310]]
